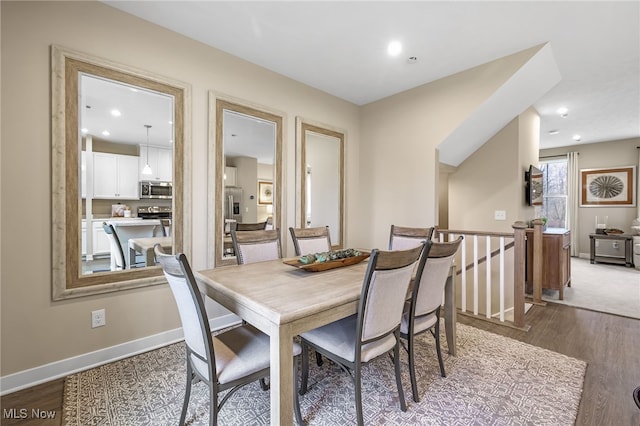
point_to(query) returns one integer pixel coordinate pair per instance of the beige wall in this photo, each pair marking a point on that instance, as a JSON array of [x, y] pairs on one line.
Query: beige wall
[[400, 136], [34, 330], [493, 179], [391, 169], [602, 155]]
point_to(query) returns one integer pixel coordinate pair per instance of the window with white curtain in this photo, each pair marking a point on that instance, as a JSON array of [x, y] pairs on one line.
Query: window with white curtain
[[554, 205]]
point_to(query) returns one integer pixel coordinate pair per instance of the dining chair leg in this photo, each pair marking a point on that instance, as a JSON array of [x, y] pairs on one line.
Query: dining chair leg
[[412, 368], [396, 362], [318, 359], [213, 405], [263, 384], [305, 369], [187, 394], [296, 398], [357, 384], [438, 350]]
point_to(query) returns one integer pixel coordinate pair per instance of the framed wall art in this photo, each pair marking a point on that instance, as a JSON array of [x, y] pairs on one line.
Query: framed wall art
[[608, 187], [265, 192]]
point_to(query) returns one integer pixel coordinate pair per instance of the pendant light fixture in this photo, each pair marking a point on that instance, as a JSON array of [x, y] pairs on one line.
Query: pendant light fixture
[[147, 168]]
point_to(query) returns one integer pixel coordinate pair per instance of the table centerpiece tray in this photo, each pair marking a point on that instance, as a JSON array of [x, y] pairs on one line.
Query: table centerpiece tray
[[329, 264]]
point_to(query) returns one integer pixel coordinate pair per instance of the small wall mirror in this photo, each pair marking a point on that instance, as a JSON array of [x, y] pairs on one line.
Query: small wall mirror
[[117, 161], [248, 172], [321, 178]]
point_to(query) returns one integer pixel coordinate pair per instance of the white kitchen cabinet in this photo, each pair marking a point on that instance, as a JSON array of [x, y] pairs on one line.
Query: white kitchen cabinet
[[101, 244], [115, 176], [84, 238], [230, 176], [160, 161], [99, 239]]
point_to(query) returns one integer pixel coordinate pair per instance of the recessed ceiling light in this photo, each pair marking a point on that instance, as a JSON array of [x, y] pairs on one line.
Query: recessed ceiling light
[[554, 132], [394, 48], [116, 113], [105, 133], [576, 138], [412, 60], [84, 130], [563, 111]]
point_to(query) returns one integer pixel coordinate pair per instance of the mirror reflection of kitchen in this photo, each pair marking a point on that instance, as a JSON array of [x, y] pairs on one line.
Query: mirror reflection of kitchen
[[126, 174], [249, 156]]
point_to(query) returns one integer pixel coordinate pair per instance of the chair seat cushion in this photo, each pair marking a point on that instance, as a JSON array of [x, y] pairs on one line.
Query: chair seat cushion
[[419, 325], [239, 352], [339, 338]]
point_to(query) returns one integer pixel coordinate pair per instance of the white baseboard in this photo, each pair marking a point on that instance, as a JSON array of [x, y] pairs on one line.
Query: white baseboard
[[45, 373]]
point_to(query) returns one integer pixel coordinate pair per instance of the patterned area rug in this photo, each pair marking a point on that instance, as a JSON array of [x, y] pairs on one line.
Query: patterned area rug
[[493, 380]]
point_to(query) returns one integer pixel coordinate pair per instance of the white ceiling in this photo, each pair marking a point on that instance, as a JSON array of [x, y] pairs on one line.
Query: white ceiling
[[340, 48]]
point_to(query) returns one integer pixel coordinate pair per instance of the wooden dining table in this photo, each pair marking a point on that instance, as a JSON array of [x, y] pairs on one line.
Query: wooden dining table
[[283, 301], [145, 246]]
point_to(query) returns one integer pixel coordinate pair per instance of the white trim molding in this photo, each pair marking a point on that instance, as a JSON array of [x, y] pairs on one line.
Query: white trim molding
[[55, 370]]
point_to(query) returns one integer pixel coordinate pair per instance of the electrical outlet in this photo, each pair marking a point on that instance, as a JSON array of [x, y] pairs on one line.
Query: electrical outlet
[[98, 318], [500, 215], [616, 245]]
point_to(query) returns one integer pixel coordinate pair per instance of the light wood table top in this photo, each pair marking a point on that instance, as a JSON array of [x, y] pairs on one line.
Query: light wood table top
[[145, 246], [283, 301]]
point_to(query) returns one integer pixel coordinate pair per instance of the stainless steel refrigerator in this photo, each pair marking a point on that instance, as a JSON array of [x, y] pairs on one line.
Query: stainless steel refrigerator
[[232, 205]]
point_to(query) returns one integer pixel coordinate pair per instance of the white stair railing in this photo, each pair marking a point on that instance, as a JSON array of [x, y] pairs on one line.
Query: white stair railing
[[503, 297]]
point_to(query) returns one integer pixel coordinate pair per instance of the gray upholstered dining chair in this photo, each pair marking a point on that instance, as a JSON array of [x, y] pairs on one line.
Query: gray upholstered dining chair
[[374, 330], [226, 361], [422, 311], [256, 246], [310, 240], [402, 237], [118, 258]]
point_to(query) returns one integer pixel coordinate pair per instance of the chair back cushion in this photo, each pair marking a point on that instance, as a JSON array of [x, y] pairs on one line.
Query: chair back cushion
[[313, 245], [386, 297], [197, 334], [403, 238], [403, 243], [256, 246], [385, 290], [117, 255], [311, 240], [434, 276]]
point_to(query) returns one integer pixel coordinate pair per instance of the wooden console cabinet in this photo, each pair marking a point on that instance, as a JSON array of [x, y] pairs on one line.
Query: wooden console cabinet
[[556, 260]]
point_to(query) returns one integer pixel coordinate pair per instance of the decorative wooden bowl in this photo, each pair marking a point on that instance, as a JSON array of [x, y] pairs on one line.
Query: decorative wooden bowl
[[323, 266]]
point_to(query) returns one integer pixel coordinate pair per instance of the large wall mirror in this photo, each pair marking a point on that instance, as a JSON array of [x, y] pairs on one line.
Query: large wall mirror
[[248, 165], [118, 184], [321, 172]]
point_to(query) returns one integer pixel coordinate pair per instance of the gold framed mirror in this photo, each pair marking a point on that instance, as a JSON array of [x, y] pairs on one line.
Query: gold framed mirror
[[95, 177], [321, 178], [248, 170]]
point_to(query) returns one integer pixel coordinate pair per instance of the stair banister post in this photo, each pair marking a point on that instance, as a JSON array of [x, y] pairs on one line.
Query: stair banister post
[[537, 260], [519, 258]]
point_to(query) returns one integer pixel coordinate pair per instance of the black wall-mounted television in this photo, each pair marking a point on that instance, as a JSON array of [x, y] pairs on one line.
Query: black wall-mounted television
[[533, 186]]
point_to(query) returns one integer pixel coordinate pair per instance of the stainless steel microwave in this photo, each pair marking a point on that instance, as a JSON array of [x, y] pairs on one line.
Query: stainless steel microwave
[[158, 190]]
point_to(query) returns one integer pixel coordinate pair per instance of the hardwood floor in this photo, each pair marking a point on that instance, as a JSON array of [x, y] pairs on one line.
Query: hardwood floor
[[609, 344], [17, 407]]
